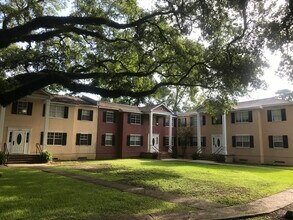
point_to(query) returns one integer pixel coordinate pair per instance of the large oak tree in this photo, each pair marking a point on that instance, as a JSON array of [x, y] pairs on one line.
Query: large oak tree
[[115, 48]]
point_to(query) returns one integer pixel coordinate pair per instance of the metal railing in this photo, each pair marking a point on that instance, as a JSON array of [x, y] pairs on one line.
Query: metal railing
[[6, 153], [39, 148]]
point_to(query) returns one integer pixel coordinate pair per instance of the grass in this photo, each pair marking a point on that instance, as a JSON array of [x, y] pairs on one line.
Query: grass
[[226, 184], [31, 194]]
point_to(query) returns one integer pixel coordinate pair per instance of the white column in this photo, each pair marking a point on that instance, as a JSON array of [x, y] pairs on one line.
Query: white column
[[2, 120], [151, 132], [170, 134], [198, 132], [260, 136], [224, 133], [46, 124]]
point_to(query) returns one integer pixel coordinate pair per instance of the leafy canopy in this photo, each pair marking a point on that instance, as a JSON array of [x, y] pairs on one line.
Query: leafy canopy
[[115, 49]]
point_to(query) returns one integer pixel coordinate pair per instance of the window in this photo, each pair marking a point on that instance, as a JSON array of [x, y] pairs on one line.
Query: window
[[83, 139], [56, 138], [166, 141], [279, 141], [182, 122], [58, 111], [22, 108], [134, 118], [276, 115], [134, 140], [241, 116], [167, 121], [245, 141], [193, 141], [217, 120], [86, 115], [108, 139], [109, 117], [193, 121]]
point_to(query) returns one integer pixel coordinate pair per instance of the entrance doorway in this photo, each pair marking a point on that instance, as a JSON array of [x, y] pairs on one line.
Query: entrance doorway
[[155, 143], [217, 144], [18, 140]]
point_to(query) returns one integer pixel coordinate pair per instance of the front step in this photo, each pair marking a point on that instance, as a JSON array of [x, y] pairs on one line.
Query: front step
[[23, 158]]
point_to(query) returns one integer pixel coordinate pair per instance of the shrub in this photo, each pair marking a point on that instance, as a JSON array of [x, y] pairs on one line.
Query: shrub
[[3, 158], [46, 157], [195, 156]]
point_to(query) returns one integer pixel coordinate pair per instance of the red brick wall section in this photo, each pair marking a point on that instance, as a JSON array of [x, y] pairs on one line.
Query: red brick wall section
[[108, 152]]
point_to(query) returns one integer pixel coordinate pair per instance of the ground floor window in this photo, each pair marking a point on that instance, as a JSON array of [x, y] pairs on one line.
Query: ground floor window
[[134, 140], [166, 141], [193, 141], [108, 139], [56, 138], [244, 141], [83, 139], [278, 141]]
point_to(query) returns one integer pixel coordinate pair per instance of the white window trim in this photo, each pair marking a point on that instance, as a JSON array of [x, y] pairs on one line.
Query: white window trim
[[54, 116], [84, 145], [241, 135], [112, 112], [109, 134], [280, 114], [241, 122], [50, 145], [135, 123], [274, 142], [135, 135]]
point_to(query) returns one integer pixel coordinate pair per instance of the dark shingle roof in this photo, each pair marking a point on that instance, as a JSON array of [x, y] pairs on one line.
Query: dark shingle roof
[[119, 107], [73, 100]]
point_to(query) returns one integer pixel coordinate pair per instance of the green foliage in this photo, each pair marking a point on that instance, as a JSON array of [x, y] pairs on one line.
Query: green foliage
[[3, 158], [46, 157], [115, 48]]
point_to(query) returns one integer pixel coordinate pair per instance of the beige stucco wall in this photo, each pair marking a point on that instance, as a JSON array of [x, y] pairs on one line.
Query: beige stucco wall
[[271, 155], [34, 122], [72, 126]]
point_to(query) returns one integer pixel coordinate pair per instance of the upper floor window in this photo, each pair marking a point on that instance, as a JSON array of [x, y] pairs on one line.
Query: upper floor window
[[182, 122], [245, 141], [193, 120], [58, 111], [279, 141], [134, 118], [22, 108], [167, 121], [276, 115], [109, 117], [217, 120], [241, 116], [84, 114], [83, 139]]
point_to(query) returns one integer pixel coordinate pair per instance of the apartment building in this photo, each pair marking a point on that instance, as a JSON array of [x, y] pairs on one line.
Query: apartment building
[[65, 126], [256, 131]]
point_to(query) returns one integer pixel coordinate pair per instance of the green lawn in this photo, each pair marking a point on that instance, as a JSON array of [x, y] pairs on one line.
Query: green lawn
[[30, 194], [226, 184]]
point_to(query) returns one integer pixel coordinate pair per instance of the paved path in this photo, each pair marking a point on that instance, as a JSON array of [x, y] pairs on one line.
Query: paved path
[[208, 211]]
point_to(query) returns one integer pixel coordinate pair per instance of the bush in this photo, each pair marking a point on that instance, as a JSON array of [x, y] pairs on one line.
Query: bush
[[195, 156], [46, 157], [220, 158], [3, 158]]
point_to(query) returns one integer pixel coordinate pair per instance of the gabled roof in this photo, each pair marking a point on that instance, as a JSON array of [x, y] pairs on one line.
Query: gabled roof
[[119, 107], [186, 114], [159, 107], [259, 103], [74, 100]]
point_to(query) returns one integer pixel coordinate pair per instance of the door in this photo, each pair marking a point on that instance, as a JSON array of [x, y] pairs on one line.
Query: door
[[217, 144], [18, 141], [155, 143]]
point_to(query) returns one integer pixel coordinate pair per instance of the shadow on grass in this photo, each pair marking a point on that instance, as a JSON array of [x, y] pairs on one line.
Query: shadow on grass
[[29, 194]]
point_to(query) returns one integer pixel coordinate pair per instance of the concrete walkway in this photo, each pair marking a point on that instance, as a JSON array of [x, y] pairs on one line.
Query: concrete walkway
[[207, 211]]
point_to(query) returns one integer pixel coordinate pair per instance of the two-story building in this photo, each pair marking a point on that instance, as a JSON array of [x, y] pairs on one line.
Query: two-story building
[[256, 131]]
